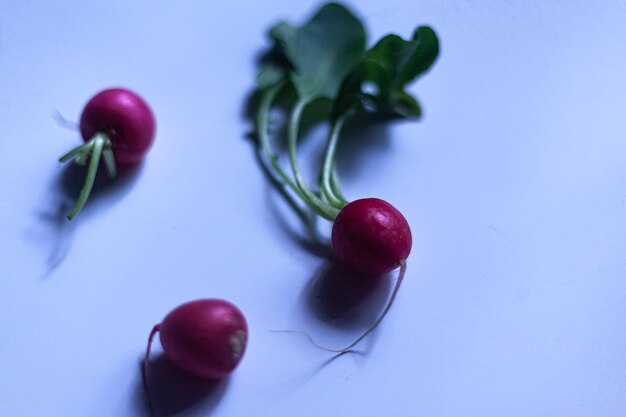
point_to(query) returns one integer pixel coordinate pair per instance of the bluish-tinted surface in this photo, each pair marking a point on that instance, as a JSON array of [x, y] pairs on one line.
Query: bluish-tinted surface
[[514, 185]]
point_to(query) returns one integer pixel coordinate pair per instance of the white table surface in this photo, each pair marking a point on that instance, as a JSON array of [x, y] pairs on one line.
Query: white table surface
[[514, 184]]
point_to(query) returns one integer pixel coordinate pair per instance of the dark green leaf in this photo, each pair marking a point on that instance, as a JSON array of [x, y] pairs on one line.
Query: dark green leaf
[[405, 105], [389, 66], [350, 93], [323, 51], [422, 57], [270, 74]]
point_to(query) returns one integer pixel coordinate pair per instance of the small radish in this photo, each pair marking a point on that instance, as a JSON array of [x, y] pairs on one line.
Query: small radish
[[118, 126], [371, 236], [206, 338]]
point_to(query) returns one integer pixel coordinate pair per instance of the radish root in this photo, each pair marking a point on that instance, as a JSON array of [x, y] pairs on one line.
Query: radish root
[[144, 372]]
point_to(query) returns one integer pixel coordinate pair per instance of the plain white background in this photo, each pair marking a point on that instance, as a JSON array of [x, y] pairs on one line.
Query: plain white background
[[514, 184]]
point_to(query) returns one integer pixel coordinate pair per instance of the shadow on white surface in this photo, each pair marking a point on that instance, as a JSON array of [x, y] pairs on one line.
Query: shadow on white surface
[[363, 135], [300, 377], [177, 393], [52, 228], [344, 298], [306, 236], [105, 191], [57, 233]]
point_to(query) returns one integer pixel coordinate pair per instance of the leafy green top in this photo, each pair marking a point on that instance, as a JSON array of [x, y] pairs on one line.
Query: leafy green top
[[326, 58], [322, 52]]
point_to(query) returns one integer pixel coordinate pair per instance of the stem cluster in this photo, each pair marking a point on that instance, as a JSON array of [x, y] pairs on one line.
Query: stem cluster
[[328, 200], [98, 147]]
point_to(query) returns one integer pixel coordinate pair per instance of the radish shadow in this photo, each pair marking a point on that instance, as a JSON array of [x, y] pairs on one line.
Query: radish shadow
[[72, 179], [54, 230], [173, 391], [305, 234], [363, 135], [305, 375], [346, 299]]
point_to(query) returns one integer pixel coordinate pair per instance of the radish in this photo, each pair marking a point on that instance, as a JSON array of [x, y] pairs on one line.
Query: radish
[[373, 237], [206, 338], [118, 126], [369, 235]]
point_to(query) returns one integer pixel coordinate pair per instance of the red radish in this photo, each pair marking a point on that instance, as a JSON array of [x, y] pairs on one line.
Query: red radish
[[206, 338], [371, 236], [125, 118], [118, 126]]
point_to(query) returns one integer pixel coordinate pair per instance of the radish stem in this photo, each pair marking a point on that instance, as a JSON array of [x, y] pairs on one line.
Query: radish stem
[[144, 369], [109, 161], [319, 206], [334, 185], [97, 145], [78, 151], [262, 128], [329, 191]]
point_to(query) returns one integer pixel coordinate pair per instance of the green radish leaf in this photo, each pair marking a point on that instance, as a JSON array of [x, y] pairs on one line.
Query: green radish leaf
[[405, 105], [271, 73], [324, 62], [388, 67], [273, 68], [322, 52], [423, 54]]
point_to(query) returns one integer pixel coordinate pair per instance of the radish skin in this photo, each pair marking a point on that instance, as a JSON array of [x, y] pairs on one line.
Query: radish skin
[[371, 236], [206, 338], [125, 118], [117, 126]]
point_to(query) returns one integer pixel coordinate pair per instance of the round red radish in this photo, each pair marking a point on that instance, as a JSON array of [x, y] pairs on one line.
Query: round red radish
[[371, 236], [125, 118], [206, 338], [118, 126]]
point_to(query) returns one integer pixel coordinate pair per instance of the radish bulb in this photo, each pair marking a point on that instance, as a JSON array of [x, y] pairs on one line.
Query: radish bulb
[[206, 338], [117, 126]]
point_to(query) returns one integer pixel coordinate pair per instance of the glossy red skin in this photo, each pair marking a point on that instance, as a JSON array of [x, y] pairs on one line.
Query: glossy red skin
[[202, 337], [371, 236], [125, 118]]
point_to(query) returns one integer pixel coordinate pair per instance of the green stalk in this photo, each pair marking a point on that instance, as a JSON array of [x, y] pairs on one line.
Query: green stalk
[[262, 121], [269, 160], [328, 184], [334, 185], [78, 151], [318, 205], [93, 150], [109, 161]]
